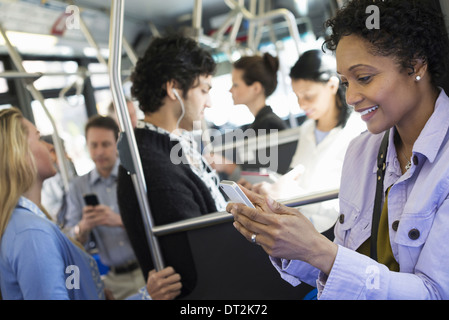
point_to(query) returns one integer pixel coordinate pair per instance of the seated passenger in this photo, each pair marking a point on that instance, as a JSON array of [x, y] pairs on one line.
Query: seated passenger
[[171, 82], [37, 261], [323, 140], [254, 79]]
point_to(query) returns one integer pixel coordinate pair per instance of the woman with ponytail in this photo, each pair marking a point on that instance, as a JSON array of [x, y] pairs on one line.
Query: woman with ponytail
[[254, 79]]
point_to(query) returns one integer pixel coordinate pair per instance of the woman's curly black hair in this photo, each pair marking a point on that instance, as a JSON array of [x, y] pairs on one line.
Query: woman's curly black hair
[[408, 30], [173, 57]]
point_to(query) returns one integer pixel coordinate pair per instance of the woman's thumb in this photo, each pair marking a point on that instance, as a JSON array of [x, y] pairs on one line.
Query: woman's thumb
[[274, 206]]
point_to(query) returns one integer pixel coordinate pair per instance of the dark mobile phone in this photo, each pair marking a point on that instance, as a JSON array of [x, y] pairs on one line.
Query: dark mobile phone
[[91, 199]]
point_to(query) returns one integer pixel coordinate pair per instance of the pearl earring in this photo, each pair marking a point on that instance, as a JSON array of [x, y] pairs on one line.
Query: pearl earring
[[418, 78]]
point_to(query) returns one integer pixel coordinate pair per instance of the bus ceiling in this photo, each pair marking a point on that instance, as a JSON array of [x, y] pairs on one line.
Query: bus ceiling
[[222, 25]]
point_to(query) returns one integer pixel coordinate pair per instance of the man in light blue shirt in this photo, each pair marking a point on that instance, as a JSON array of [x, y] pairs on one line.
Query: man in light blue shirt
[[103, 221]]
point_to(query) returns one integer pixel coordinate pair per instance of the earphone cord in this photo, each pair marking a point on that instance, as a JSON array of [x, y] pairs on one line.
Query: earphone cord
[[183, 110]]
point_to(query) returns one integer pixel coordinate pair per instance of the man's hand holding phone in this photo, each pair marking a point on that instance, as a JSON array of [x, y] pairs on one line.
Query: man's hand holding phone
[[96, 214], [100, 215]]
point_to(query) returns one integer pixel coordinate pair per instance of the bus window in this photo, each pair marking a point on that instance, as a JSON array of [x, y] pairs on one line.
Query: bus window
[[99, 80], [3, 83], [70, 117], [52, 82], [103, 99], [223, 111], [100, 83]]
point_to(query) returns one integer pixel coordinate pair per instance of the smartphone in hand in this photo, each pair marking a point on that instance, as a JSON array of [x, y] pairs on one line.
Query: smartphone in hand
[[91, 199], [234, 193]]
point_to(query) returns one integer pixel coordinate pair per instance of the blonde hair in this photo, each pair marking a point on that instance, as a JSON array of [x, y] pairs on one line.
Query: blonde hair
[[17, 168]]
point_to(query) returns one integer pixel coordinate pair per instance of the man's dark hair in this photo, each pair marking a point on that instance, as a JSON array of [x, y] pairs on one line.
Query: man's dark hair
[[409, 29], [174, 57], [98, 121]]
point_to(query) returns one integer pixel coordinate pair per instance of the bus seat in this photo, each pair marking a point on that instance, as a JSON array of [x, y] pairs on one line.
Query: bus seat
[[285, 153], [230, 268]]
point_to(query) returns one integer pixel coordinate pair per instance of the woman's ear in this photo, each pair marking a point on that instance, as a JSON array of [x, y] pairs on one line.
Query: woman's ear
[[258, 88], [419, 69], [334, 84]]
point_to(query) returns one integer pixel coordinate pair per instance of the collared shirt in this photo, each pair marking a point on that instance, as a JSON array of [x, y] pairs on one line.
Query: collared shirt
[[197, 162], [113, 243], [418, 218], [37, 261]]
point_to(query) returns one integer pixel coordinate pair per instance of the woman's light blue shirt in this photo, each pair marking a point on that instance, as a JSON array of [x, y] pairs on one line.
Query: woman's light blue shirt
[[37, 261]]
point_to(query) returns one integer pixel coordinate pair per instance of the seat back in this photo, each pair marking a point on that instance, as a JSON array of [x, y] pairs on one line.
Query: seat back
[[230, 268]]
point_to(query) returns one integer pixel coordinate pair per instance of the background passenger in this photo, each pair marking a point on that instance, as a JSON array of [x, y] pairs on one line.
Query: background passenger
[[323, 139], [171, 82], [254, 79]]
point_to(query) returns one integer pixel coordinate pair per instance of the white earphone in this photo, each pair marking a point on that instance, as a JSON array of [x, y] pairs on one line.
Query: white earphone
[[183, 110], [175, 92]]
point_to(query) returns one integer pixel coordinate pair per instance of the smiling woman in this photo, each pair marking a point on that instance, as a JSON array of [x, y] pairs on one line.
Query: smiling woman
[[394, 251], [392, 80]]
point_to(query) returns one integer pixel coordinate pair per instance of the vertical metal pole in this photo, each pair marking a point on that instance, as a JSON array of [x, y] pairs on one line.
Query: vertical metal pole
[[118, 96], [197, 16], [252, 27], [37, 95], [236, 26]]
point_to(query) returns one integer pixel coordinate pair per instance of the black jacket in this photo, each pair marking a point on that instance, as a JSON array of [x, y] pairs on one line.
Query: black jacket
[[267, 119], [174, 193]]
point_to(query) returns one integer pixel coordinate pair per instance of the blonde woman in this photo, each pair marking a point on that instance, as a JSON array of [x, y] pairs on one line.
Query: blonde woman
[[37, 261]]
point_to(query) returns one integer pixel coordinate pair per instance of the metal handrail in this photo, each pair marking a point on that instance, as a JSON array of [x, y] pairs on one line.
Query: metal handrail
[[270, 139], [36, 75], [222, 217], [270, 15], [127, 135]]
